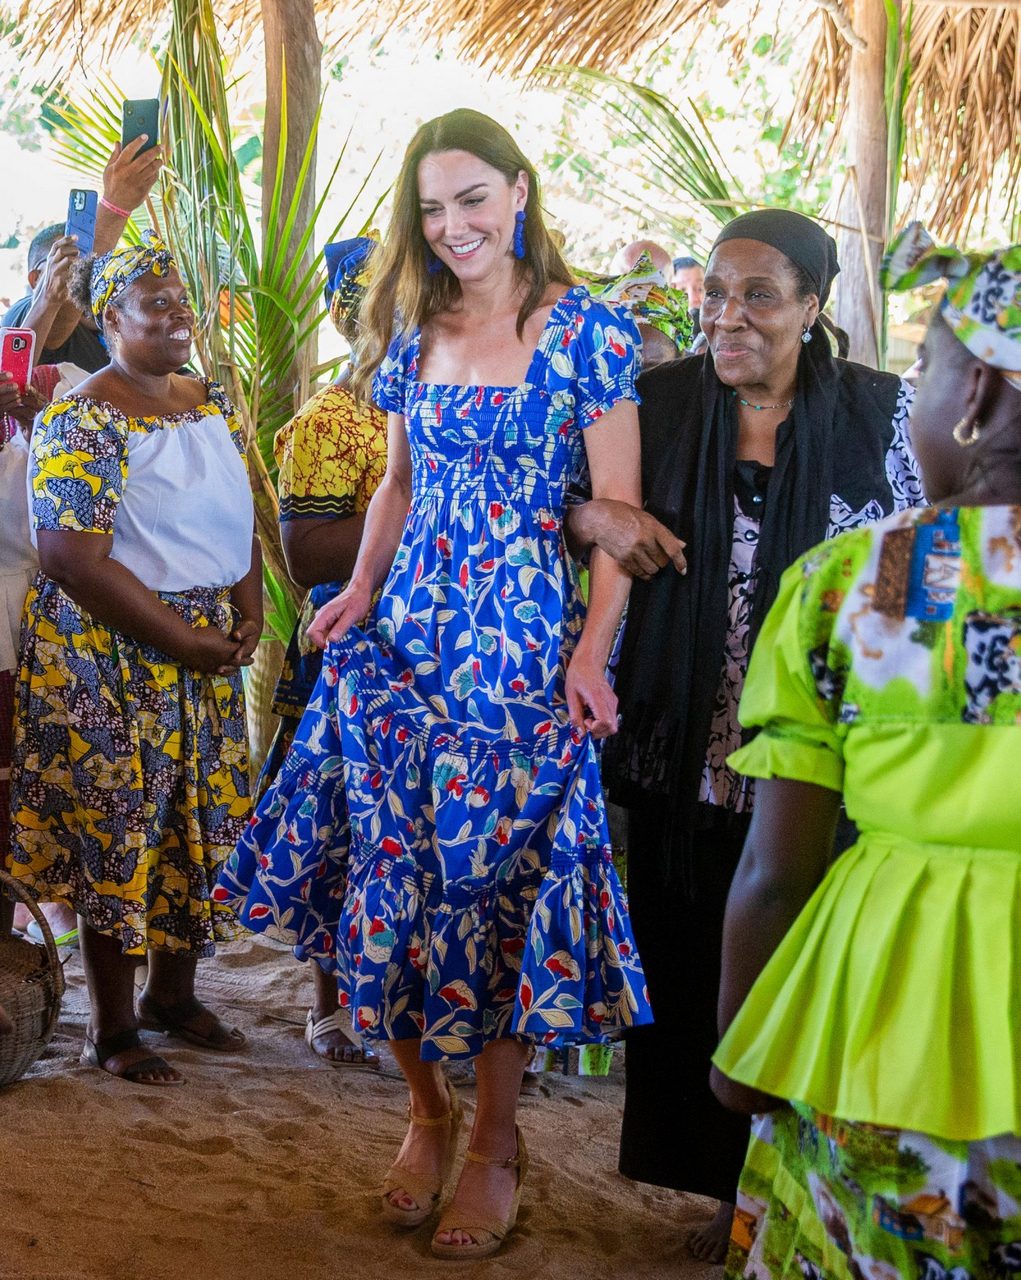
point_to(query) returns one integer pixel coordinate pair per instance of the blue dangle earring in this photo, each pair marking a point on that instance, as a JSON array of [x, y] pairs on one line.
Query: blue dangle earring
[[432, 264], [519, 234], [806, 334]]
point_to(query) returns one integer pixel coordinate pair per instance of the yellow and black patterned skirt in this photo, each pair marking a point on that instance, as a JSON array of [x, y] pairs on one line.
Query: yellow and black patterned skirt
[[129, 779]]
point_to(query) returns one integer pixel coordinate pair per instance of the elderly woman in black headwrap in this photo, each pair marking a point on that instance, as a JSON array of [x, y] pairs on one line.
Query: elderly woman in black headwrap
[[752, 453]]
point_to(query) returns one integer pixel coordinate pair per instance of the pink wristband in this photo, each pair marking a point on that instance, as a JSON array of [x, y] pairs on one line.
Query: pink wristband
[[124, 213]]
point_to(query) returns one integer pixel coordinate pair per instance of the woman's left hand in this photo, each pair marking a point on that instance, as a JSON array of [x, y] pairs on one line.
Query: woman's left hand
[[246, 636], [591, 702]]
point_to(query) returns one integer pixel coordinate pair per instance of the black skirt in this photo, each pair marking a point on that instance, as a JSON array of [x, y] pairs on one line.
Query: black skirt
[[675, 1133]]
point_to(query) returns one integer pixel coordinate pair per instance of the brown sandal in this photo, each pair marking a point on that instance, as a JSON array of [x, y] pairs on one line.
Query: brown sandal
[[174, 1019], [423, 1188], [487, 1233]]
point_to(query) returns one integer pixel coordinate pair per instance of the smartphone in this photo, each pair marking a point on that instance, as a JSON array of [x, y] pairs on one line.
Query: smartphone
[[81, 218], [141, 115], [17, 346]]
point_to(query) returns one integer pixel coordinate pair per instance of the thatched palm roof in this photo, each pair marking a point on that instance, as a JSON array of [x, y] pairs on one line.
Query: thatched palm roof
[[964, 111]]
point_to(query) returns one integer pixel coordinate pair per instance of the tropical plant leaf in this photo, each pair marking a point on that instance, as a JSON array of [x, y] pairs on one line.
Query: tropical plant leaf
[[681, 160]]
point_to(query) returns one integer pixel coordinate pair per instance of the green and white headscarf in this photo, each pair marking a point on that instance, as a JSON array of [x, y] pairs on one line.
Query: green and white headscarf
[[982, 302], [646, 294]]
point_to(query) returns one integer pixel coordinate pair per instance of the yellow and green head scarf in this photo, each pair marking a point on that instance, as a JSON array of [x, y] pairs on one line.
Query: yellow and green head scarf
[[113, 272], [646, 294], [982, 302]]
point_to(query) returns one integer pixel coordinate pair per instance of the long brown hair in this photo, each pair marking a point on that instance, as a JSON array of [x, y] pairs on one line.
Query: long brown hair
[[403, 292]]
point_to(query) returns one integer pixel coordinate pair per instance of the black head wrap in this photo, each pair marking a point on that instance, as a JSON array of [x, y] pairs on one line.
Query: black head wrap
[[797, 237]]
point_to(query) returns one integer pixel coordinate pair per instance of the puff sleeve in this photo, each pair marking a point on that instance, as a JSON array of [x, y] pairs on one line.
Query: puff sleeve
[[799, 670], [398, 366], [79, 466], [596, 357]]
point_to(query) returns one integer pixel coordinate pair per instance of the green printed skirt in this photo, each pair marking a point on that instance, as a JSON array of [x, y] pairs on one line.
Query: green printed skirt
[[827, 1199]]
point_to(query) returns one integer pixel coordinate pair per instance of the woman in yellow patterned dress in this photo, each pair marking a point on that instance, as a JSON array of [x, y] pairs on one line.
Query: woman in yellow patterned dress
[[129, 784]]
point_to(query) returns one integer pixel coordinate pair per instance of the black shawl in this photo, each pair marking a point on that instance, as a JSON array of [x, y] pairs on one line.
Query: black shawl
[[834, 442]]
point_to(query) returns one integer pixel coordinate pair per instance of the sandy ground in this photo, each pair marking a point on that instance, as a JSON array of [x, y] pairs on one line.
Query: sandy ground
[[263, 1167]]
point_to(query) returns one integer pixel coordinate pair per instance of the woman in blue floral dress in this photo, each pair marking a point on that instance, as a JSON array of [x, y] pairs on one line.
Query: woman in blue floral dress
[[482, 913]]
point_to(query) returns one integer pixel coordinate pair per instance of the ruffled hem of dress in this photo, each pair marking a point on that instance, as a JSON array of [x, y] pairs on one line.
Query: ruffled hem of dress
[[571, 972], [893, 998], [286, 878]]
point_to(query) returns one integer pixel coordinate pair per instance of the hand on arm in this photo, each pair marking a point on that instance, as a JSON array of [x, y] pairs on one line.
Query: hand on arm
[[81, 564], [613, 452], [384, 522], [789, 847], [636, 540]]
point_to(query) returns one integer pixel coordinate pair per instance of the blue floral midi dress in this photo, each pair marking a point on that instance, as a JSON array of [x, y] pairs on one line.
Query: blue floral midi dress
[[481, 900]]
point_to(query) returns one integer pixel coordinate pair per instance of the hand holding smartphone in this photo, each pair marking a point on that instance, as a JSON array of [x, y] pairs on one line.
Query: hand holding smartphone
[[141, 115], [81, 219], [17, 347]]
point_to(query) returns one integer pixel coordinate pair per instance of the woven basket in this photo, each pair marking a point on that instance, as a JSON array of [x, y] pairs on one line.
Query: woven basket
[[31, 984]]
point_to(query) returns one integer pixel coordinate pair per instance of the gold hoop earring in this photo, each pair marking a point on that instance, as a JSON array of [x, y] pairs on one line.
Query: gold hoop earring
[[966, 436]]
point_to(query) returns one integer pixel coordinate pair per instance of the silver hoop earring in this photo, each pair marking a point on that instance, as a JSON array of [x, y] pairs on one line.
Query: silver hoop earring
[[806, 334], [967, 436]]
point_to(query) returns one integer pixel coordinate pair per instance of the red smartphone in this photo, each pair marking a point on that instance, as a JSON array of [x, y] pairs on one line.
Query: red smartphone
[[140, 115], [81, 219], [17, 346]]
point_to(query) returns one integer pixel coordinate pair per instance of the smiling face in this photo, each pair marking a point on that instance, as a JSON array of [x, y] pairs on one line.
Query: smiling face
[[152, 322], [752, 314], [468, 210]]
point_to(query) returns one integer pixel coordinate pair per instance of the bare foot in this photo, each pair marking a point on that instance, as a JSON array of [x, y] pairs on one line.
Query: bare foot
[[483, 1191], [709, 1243]]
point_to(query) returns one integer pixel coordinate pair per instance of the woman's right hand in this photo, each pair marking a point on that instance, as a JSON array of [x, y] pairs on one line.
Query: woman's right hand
[[211, 652], [339, 614], [635, 539]]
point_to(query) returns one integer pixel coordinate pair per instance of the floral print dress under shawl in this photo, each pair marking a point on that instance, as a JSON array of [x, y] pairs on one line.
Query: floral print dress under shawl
[[481, 900]]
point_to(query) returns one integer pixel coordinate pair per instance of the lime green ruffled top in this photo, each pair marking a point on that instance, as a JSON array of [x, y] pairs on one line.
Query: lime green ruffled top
[[890, 669]]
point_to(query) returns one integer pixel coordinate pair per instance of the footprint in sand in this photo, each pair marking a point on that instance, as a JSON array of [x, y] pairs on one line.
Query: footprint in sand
[[212, 1145]]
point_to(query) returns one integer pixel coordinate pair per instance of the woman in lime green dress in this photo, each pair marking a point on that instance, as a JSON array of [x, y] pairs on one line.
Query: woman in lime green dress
[[871, 1007]]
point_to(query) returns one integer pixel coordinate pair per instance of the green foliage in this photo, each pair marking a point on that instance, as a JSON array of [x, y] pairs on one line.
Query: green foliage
[[687, 146], [256, 290], [681, 159]]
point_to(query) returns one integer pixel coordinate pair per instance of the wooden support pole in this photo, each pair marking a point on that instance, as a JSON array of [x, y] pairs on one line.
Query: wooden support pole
[[864, 201], [293, 52]]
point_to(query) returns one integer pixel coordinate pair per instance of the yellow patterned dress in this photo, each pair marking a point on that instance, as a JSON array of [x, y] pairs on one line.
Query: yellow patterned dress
[[331, 458], [129, 783]]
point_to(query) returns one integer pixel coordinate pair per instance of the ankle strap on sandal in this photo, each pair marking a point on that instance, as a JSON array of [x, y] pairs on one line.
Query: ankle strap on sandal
[[512, 1163], [430, 1122]]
